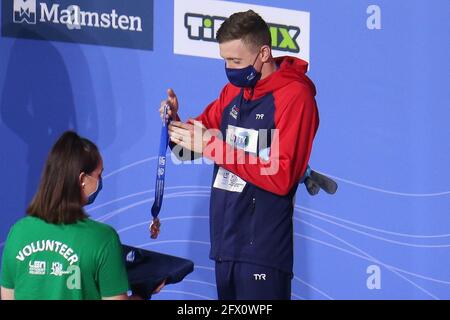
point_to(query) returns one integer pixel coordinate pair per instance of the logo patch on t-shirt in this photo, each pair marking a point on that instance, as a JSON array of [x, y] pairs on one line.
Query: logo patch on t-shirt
[[57, 269], [37, 268]]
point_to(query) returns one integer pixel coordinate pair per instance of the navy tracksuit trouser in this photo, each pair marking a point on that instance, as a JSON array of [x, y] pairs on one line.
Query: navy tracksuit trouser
[[246, 281]]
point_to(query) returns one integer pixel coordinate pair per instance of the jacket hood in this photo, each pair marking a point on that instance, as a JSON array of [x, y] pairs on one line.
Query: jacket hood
[[289, 69]]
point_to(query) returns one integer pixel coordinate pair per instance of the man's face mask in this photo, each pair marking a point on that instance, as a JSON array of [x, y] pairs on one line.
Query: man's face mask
[[245, 77], [93, 195]]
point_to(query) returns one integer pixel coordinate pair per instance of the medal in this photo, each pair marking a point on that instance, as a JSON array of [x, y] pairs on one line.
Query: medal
[[155, 228]]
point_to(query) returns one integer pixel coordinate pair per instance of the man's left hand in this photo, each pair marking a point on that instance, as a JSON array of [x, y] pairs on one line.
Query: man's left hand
[[191, 135]]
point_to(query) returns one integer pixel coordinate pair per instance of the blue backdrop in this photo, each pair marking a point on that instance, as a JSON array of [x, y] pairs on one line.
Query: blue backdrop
[[383, 97]]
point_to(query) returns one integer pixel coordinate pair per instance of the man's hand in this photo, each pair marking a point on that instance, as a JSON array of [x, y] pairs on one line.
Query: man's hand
[[191, 135], [172, 102]]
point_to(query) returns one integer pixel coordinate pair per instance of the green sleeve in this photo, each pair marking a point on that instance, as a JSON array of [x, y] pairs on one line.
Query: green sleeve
[[112, 274], [8, 271]]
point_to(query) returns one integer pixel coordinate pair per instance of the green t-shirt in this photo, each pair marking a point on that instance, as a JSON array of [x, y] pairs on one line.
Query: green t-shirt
[[63, 262]]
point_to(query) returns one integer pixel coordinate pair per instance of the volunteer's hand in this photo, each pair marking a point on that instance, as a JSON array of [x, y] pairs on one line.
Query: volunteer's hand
[[157, 290], [172, 101], [183, 135]]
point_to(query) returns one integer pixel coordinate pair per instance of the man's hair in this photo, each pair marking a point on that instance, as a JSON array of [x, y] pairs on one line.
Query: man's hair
[[58, 199], [246, 26]]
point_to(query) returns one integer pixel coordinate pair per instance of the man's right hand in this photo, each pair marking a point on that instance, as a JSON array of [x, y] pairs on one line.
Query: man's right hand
[[172, 102]]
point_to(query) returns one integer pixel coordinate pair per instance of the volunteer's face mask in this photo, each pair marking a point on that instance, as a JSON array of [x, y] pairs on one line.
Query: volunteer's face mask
[[245, 77], [93, 195]]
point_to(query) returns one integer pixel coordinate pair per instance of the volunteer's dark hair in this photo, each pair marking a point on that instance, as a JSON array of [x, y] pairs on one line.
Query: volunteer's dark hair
[[58, 199], [247, 26]]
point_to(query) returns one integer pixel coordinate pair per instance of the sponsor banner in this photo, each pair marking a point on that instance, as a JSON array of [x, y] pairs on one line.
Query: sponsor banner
[[196, 23], [117, 23]]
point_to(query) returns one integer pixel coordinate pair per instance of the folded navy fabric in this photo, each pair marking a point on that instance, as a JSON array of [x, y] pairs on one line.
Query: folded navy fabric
[[148, 269]]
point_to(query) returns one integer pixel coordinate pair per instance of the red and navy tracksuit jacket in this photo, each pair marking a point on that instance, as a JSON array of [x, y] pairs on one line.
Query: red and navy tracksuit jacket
[[250, 212]]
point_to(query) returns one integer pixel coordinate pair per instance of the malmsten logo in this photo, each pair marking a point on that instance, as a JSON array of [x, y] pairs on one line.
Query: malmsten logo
[[73, 16], [113, 22]]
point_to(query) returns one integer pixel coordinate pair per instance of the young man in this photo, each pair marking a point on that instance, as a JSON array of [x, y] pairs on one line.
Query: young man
[[265, 121]]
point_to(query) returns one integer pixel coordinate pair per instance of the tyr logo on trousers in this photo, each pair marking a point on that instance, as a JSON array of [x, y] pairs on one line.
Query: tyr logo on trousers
[[261, 276]]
